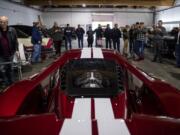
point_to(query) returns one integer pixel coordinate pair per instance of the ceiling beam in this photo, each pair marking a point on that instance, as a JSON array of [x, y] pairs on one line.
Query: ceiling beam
[[101, 2]]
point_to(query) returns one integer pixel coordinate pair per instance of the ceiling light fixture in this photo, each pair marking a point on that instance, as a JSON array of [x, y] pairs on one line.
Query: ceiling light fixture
[[50, 2], [83, 5]]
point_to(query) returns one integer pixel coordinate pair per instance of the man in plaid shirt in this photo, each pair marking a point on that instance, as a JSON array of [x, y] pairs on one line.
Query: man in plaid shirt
[[140, 33]]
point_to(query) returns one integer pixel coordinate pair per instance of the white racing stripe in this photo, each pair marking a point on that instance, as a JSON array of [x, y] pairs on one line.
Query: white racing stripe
[[86, 53], [97, 53], [80, 123], [76, 127], [103, 109], [112, 127], [107, 124], [82, 109]]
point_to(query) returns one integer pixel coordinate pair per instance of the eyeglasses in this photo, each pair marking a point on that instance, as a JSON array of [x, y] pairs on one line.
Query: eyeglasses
[[3, 22]]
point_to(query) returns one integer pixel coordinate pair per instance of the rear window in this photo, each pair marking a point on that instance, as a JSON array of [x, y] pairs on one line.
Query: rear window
[[91, 77]]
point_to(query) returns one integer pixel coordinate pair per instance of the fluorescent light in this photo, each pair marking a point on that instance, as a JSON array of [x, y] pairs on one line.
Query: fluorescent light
[[110, 14]]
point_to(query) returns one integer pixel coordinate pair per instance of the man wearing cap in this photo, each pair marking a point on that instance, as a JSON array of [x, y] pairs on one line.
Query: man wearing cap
[[36, 40], [8, 47]]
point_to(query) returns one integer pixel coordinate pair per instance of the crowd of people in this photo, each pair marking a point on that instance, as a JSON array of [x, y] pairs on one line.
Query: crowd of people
[[134, 38]]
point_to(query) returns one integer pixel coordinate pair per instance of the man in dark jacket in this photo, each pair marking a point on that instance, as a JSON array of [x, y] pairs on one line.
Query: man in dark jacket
[[68, 37], [108, 36], [116, 37], [160, 26], [131, 39], [90, 37], [80, 35], [8, 47], [36, 40], [177, 49], [99, 34], [57, 36], [158, 41]]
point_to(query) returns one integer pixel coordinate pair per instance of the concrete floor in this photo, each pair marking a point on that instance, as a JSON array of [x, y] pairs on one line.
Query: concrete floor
[[165, 71]]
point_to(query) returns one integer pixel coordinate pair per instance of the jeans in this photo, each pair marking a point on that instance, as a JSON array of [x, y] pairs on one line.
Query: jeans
[[68, 41], [139, 48], [157, 50], [90, 42], [108, 43], [80, 42], [141, 51], [6, 71], [36, 53], [116, 44], [131, 43], [57, 46], [136, 48], [177, 51]]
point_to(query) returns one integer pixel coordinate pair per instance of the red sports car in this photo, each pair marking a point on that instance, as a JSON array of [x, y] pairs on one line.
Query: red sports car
[[92, 91]]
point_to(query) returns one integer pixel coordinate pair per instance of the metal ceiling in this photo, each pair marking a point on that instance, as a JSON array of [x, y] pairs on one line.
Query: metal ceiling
[[43, 4], [100, 2]]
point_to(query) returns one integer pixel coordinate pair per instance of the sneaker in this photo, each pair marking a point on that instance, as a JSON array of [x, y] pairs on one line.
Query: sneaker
[[137, 59], [141, 58]]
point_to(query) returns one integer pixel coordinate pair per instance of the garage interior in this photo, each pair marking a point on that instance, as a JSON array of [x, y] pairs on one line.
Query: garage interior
[[89, 67], [94, 12]]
